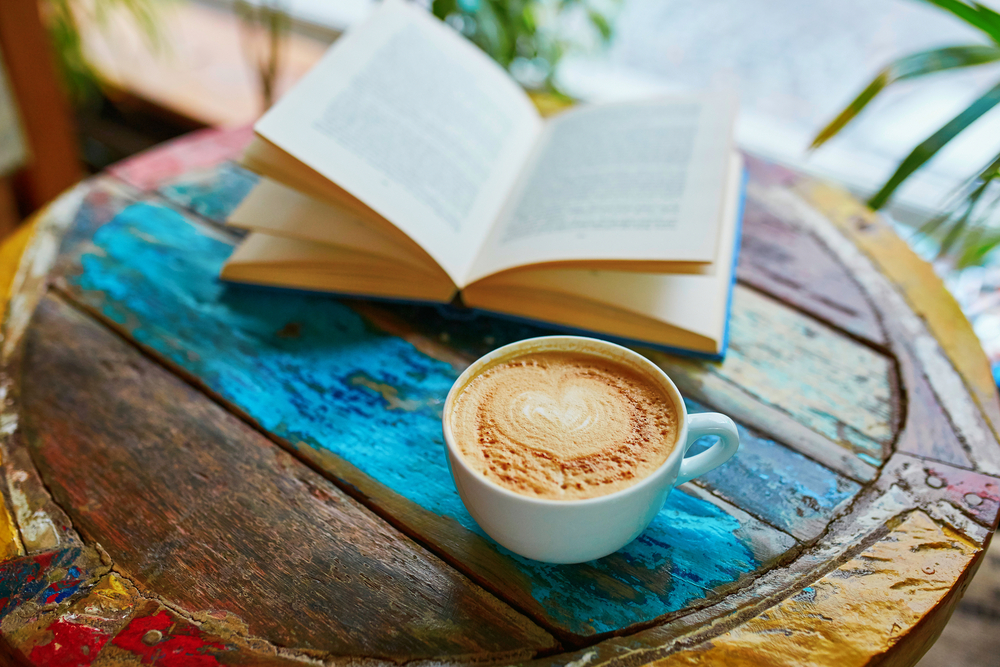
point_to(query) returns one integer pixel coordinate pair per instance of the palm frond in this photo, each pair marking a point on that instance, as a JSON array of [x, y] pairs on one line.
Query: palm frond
[[930, 146], [964, 222], [910, 67], [975, 14]]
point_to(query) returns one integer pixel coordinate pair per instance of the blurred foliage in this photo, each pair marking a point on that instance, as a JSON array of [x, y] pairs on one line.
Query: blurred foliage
[[64, 19], [265, 23], [529, 37], [963, 230]]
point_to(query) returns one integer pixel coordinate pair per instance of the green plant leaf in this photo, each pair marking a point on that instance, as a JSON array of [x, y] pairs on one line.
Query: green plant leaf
[[975, 14], [930, 146], [600, 22], [910, 67]]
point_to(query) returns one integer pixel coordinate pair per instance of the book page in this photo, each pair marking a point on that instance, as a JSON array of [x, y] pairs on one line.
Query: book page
[[634, 181], [278, 210], [691, 301], [417, 123]]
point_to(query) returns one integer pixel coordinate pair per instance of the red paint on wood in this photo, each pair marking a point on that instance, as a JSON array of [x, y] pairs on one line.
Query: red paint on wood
[[973, 493], [166, 640], [21, 579], [198, 150], [72, 645]]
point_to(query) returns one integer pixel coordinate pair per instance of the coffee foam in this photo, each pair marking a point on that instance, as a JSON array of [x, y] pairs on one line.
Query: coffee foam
[[564, 425]]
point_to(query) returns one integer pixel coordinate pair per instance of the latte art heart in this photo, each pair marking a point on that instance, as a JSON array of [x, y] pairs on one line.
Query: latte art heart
[[564, 425], [569, 418]]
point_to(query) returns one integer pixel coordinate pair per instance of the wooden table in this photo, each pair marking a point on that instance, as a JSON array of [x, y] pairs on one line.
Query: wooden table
[[199, 474]]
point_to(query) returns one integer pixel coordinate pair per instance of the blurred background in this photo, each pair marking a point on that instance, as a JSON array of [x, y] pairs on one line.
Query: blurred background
[[86, 83]]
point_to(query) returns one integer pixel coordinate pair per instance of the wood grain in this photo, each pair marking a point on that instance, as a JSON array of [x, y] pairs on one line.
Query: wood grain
[[919, 284], [867, 610], [779, 485], [781, 259], [825, 381], [326, 388], [218, 518]]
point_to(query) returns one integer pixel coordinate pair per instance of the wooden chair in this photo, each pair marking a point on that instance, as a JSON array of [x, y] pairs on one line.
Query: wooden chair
[[53, 163]]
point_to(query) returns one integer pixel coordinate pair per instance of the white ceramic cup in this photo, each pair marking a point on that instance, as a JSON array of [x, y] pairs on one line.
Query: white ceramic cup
[[574, 531]]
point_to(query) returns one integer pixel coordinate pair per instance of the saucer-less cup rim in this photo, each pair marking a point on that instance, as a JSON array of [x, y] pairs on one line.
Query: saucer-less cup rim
[[583, 345]]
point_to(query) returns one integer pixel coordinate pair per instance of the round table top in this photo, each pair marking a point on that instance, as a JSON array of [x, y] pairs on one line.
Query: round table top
[[203, 474]]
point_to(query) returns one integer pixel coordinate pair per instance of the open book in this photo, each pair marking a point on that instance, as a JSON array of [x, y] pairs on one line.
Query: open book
[[408, 165]]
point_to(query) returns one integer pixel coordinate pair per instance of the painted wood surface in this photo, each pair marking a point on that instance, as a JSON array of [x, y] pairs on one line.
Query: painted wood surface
[[338, 380], [863, 611], [778, 484], [78, 627], [865, 521], [779, 258], [212, 193], [833, 217], [824, 380], [790, 479], [199, 150], [919, 284], [276, 545]]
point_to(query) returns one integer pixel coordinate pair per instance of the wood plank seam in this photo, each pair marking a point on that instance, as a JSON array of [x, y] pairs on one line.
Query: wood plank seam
[[66, 296], [873, 237], [567, 640], [948, 384], [881, 348], [899, 393], [883, 502], [723, 623], [763, 420], [708, 490], [156, 197]]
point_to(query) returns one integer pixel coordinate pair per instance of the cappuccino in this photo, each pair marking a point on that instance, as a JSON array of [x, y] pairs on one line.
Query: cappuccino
[[564, 425]]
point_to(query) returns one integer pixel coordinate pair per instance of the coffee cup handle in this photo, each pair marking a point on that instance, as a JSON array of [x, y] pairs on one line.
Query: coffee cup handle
[[702, 424]]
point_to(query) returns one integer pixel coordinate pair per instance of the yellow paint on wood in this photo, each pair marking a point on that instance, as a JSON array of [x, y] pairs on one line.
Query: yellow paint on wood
[[10, 541], [921, 287], [11, 250], [104, 610], [856, 613]]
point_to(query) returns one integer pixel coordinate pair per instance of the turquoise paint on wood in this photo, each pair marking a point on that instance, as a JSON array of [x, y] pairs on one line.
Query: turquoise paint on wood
[[213, 193], [311, 370], [777, 484]]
